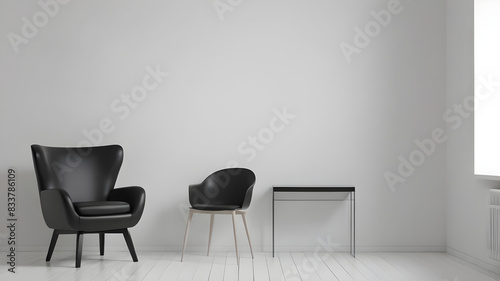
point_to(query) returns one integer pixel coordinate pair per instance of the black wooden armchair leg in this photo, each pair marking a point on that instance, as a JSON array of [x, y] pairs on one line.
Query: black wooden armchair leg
[[130, 245], [53, 241], [101, 243], [79, 248]]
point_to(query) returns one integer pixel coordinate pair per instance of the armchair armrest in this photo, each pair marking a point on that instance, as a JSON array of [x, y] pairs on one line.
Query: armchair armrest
[[134, 195], [58, 211]]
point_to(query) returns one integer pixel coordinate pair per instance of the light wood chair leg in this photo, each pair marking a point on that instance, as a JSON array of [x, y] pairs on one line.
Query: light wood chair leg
[[246, 229], [190, 216], [210, 233], [235, 241]]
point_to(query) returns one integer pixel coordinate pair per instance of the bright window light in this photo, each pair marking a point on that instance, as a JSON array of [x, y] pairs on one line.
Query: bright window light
[[487, 88]]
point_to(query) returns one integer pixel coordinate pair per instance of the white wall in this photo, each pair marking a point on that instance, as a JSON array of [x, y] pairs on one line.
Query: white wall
[[226, 77], [467, 196]]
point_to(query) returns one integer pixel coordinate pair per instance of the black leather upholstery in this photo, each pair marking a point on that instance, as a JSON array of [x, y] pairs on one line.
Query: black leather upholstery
[[77, 192], [215, 207], [227, 189], [101, 208]]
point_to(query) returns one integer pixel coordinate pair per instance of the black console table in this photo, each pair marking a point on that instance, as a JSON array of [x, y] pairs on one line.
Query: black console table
[[329, 188]]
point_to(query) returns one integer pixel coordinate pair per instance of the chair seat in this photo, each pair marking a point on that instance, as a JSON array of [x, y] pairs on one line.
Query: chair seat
[[215, 207], [101, 208]]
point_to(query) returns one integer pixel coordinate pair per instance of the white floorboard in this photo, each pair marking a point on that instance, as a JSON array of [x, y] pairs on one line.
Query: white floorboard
[[204, 267], [260, 269], [340, 273], [245, 270], [365, 271], [222, 266], [322, 269], [218, 267], [159, 268], [231, 269], [306, 266], [274, 268]]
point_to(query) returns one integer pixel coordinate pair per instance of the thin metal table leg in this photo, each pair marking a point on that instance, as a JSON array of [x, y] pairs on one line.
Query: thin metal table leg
[[354, 224], [350, 222], [273, 223]]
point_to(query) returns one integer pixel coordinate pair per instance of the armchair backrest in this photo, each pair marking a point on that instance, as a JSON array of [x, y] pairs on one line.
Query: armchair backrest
[[86, 173], [232, 186]]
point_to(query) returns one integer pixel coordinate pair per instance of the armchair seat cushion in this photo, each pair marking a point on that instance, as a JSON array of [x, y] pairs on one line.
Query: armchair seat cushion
[[210, 207], [101, 208]]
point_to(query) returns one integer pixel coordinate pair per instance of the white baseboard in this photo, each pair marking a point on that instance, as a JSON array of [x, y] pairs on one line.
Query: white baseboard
[[123, 248], [480, 265], [363, 249]]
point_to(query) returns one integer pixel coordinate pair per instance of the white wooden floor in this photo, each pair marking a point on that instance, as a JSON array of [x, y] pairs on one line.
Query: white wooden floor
[[222, 266]]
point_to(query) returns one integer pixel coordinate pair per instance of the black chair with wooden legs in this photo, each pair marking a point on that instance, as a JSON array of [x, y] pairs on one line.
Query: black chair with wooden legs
[[227, 191]]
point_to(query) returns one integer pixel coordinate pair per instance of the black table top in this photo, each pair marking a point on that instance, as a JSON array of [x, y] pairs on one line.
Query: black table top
[[313, 188]]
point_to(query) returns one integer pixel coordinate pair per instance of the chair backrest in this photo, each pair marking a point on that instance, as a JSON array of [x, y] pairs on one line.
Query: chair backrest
[[86, 173], [232, 186]]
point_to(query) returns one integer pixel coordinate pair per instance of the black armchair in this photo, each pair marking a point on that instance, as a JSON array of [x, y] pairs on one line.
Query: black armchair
[[77, 195], [227, 191]]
